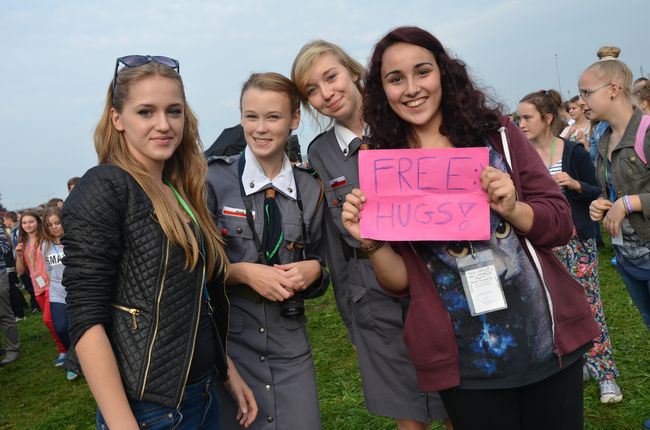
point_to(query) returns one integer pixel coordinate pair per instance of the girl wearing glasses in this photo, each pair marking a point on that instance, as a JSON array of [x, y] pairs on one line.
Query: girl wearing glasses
[[145, 265], [623, 175], [571, 167], [511, 368], [271, 215], [329, 81]]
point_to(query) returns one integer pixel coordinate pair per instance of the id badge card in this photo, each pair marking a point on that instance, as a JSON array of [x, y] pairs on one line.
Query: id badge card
[[481, 283], [40, 281]]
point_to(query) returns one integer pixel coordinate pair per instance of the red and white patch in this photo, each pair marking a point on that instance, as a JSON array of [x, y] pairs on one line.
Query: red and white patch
[[337, 182], [235, 212]]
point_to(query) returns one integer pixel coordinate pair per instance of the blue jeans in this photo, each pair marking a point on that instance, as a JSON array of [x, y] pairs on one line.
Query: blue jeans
[[199, 409], [639, 291], [60, 321]]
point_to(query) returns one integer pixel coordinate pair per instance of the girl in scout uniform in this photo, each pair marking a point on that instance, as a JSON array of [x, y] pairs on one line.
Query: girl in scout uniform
[[270, 214], [329, 81]]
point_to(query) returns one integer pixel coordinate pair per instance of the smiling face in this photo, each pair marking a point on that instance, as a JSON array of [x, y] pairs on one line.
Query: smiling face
[[267, 120], [531, 122], [29, 223], [331, 89], [152, 120], [411, 81]]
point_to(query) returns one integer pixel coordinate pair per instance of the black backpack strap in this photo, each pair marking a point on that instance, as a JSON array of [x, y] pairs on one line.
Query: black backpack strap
[[248, 205]]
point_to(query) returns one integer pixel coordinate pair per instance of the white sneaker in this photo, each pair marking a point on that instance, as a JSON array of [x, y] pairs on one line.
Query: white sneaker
[[610, 392]]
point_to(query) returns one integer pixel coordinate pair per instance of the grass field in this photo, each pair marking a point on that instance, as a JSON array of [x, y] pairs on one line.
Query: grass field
[[35, 395]]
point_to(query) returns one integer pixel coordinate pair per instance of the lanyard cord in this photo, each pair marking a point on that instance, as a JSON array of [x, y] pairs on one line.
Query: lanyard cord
[[248, 205], [550, 161], [187, 209]]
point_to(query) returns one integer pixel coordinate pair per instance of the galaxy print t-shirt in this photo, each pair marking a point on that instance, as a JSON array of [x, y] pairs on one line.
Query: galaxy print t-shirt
[[502, 349]]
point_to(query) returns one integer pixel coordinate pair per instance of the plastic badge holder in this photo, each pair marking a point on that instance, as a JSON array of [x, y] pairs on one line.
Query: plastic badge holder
[[481, 283]]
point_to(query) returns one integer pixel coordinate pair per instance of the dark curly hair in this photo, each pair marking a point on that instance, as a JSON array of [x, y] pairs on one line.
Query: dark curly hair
[[467, 116]]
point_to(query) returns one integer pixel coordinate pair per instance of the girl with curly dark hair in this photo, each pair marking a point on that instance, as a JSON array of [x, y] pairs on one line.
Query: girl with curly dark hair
[[466, 110], [516, 365], [329, 81]]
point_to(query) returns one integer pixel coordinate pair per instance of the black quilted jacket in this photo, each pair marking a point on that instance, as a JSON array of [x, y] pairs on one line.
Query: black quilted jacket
[[122, 272]]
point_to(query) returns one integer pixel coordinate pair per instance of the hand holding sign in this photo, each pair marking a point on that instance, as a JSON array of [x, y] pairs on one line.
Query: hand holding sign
[[426, 194], [352, 212]]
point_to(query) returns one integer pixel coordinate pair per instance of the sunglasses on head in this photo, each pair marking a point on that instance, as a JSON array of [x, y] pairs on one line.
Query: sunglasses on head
[[141, 60]]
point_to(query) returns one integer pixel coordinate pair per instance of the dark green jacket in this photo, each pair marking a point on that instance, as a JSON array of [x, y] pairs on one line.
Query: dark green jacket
[[629, 175]]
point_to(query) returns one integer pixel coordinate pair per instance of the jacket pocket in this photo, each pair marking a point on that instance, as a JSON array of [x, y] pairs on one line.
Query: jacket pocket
[[134, 316], [292, 335], [238, 237], [631, 167], [335, 199]]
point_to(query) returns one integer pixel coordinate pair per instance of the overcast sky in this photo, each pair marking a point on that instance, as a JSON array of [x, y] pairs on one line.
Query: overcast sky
[[59, 56]]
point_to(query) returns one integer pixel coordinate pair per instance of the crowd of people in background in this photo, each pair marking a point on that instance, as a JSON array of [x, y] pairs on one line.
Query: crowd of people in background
[[590, 151]]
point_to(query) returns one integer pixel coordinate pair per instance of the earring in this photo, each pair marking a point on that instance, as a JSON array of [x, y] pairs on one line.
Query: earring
[[611, 98]]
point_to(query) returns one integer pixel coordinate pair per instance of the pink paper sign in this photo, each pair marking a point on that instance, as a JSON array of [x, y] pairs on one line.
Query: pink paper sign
[[424, 194]]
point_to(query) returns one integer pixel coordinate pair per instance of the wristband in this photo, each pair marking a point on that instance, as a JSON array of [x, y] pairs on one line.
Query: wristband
[[373, 247], [628, 204]]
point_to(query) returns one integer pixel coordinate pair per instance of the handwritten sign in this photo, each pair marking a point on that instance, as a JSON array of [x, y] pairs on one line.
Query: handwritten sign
[[424, 194]]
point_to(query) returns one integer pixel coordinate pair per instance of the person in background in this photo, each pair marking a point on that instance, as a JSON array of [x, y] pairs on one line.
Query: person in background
[[624, 203], [7, 319], [578, 131], [55, 202], [18, 303], [571, 167], [29, 258], [53, 254], [11, 222], [565, 114], [641, 95], [623, 177], [72, 182]]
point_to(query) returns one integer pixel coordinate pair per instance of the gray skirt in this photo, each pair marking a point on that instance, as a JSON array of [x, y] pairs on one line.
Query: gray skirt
[[387, 374], [273, 355]]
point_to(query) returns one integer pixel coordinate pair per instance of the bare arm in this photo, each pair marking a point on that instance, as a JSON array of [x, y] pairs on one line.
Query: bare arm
[[100, 369], [247, 406], [388, 265]]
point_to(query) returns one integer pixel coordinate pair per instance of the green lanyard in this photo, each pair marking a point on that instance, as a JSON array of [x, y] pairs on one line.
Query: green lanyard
[[182, 201], [187, 209], [550, 162]]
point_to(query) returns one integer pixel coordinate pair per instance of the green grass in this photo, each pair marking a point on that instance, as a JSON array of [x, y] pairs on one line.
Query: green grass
[[35, 395]]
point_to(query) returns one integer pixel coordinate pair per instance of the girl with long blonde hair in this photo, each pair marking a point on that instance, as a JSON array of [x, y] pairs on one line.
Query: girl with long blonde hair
[[145, 265]]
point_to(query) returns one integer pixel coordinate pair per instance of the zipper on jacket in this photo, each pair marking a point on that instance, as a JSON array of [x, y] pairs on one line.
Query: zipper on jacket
[[133, 311], [156, 320], [196, 329]]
